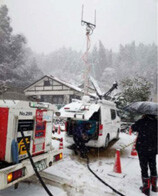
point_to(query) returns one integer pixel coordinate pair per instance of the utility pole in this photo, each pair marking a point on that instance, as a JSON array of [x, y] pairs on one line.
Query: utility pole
[[89, 30]]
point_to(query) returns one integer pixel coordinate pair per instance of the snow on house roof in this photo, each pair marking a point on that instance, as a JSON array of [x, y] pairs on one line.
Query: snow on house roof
[[58, 80], [71, 85], [66, 83], [62, 82]]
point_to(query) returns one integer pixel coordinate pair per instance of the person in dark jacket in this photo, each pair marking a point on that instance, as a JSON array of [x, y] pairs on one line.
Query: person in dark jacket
[[146, 146], [80, 138]]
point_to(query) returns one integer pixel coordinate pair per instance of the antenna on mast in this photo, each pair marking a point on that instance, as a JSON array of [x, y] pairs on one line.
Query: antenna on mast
[[89, 26], [89, 30]]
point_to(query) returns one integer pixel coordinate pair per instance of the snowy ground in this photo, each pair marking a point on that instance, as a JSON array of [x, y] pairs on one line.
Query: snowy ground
[[74, 169]]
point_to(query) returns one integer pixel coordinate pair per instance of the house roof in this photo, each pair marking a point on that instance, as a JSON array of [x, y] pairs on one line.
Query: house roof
[[66, 84], [60, 81], [57, 80]]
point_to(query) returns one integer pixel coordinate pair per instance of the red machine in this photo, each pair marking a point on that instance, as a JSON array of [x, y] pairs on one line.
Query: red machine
[[35, 121]]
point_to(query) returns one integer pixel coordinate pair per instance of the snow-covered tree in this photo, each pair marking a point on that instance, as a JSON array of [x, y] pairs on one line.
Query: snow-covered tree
[[136, 89], [102, 59], [5, 34], [14, 69], [94, 62], [133, 90], [109, 76]]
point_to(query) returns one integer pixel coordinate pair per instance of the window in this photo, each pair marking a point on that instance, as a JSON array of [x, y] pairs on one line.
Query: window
[[58, 99], [113, 114], [46, 83], [46, 98]]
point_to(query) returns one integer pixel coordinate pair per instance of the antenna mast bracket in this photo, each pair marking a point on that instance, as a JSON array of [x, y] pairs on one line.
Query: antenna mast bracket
[[89, 26]]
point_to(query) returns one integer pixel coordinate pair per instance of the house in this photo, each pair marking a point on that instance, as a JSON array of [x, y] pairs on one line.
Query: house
[[53, 90]]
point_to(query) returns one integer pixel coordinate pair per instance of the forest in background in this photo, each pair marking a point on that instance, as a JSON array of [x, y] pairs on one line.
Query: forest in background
[[20, 66], [106, 66]]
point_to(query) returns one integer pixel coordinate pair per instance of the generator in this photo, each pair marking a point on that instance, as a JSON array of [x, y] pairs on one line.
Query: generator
[[34, 119]]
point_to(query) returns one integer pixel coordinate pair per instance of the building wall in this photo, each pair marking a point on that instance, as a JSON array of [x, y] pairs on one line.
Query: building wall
[[49, 90]]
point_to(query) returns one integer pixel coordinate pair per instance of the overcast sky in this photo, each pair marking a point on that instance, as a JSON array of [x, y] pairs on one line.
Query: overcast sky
[[51, 24]]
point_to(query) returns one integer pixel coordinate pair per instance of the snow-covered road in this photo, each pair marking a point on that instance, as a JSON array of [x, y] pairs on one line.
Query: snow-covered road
[[75, 169]]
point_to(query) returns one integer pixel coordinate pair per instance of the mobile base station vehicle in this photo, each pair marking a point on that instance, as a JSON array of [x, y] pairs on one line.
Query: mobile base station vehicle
[[100, 114], [32, 122]]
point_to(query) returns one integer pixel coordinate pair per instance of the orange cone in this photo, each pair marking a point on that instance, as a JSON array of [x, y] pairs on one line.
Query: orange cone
[[117, 165], [59, 130], [130, 131], [117, 172], [53, 127], [134, 152], [61, 144]]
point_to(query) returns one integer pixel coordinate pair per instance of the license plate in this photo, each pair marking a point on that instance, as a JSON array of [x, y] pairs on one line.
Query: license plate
[[40, 165]]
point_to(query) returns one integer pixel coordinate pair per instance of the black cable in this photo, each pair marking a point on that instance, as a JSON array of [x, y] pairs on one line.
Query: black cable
[[102, 180], [34, 167], [44, 185]]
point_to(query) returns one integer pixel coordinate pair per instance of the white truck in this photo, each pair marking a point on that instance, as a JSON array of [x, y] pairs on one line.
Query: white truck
[[34, 120], [102, 115]]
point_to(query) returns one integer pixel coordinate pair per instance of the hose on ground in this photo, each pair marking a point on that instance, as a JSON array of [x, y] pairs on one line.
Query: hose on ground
[[42, 182], [34, 167], [101, 179]]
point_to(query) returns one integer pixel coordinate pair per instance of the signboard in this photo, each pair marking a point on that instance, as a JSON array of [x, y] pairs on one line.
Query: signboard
[[39, 116], [39, 105], [21, 146]]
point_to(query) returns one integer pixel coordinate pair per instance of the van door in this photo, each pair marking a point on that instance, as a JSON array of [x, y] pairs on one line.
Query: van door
[[114, 122], [106, 121]]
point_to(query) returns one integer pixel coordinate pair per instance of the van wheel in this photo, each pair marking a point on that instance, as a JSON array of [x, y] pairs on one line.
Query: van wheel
[[117, 136], [107, 140]]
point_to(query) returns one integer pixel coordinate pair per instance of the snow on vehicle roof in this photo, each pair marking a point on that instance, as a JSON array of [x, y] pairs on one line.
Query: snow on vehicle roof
[[8, 103], [107, 102], [26, 104], [82, 110], [78, 110], [68, 110]]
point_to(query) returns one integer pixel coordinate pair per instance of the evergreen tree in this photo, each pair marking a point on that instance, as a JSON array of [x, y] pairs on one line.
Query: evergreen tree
[[136, 89], [110, 59], [102, 59], [14, 69], [133, 90], [17, 51], [94, 62], [5, 34], [106, 66]]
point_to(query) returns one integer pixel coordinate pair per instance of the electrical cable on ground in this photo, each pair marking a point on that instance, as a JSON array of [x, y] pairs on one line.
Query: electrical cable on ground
[[102, 180], [34, 167]]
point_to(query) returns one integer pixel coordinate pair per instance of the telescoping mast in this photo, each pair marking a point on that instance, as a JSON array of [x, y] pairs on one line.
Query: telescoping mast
[[89, 30]]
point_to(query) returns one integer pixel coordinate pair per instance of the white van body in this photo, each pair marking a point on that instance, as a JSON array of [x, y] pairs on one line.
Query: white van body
[[102, 111]]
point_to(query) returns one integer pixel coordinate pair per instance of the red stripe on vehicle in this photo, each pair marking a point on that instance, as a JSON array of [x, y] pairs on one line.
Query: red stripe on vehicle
[[3, 131], [100, 130]]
